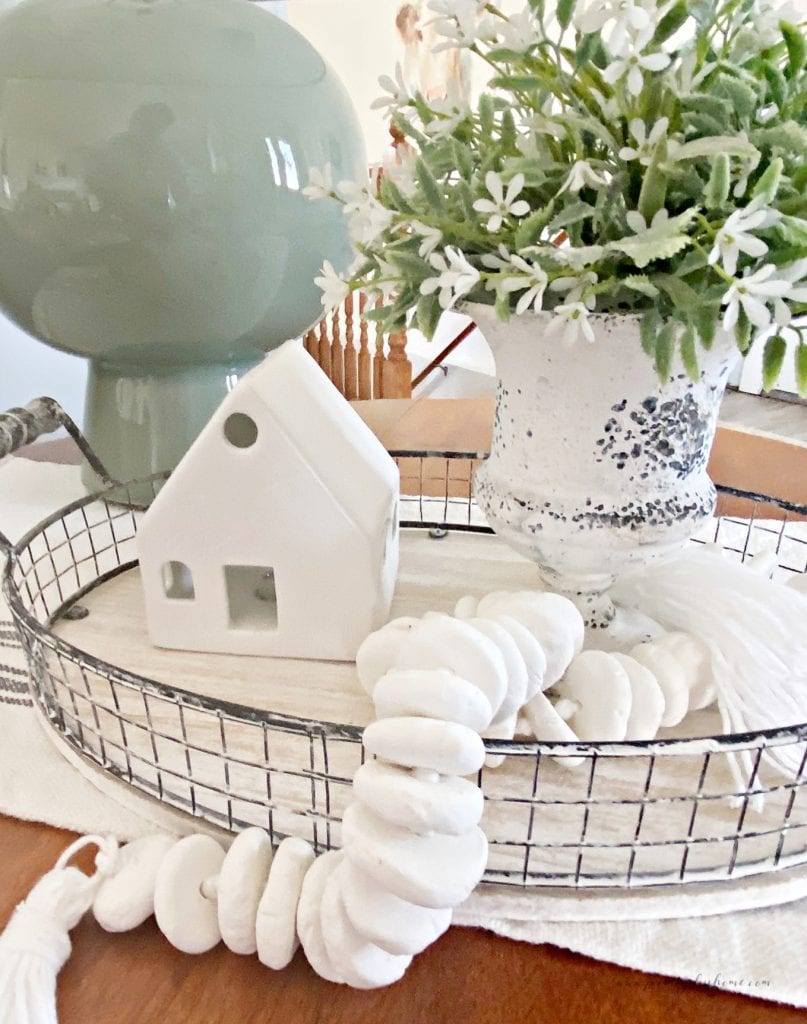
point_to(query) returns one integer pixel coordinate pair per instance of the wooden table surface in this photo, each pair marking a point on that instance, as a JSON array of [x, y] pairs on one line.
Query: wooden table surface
[[468, 977]]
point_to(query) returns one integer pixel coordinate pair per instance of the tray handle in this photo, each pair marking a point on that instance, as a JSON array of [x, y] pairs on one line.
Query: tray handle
[[19, 427]]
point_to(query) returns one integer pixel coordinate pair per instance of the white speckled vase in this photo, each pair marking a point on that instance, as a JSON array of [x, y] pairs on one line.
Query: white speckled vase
[[596, 467]]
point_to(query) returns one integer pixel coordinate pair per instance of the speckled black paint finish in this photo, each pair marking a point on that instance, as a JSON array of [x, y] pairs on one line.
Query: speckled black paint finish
[[656, 435]]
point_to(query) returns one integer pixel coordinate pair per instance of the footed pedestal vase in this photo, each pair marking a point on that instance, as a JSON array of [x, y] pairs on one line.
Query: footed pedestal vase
[[596, 466]]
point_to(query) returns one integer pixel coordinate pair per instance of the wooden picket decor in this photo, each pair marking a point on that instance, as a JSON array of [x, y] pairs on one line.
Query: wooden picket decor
[[378, 368]]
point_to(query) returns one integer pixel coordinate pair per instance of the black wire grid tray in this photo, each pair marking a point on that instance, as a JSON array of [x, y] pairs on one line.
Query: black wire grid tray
[[616, 815]]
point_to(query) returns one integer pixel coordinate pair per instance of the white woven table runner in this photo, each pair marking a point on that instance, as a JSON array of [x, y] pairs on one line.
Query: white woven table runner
[[751, 939]]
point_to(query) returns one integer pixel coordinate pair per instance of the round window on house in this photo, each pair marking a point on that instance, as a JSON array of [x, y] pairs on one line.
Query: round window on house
[[241, 430]]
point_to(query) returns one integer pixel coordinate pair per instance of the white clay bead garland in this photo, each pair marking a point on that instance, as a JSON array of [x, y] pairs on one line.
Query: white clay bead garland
[[600, 686], [309, 924], [276, 918], [530, 650], [552, 619], [693, 656], [359, 963], [126, 899], [443, 747], [185, 915], [379, 651], [391, 923], [647, 699], [240, 886], [431, 693], [439, 641], [450, 805], [432, 870], [515, 667], [671, 678]]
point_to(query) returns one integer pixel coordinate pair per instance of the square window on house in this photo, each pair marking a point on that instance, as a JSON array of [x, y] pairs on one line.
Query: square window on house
[[251, 596], [178, 581]]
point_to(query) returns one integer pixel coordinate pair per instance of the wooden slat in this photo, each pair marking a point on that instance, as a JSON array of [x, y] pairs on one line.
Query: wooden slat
[[365, 360], [337, 373], [397, 371], [378, 365], [351, 389], [311, 342], [324, 347]]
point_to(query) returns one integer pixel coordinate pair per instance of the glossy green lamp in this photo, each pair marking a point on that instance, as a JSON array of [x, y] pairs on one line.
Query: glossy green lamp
[[152, 160]]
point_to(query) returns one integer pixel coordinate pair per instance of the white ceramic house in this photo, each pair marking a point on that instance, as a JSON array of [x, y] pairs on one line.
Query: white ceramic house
[[278, 532]]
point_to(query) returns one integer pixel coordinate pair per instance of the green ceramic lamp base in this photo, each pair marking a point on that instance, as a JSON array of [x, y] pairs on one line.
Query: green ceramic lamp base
[[142, 422]]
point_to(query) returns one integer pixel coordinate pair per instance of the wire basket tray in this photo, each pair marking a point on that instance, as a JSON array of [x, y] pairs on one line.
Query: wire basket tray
[[616, 815]]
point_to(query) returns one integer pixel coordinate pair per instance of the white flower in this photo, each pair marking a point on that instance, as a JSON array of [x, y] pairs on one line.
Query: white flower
[[367, 218], [503, 204], [386, 281], [519, 32], [576, 289], [752, 293], [577, 257], [734, 238], [401, 171], [450, 111], [459, 23], [645, 143], [500, 260], [571, 319], [456, 276], [334, 289], [794, 274], [532, 278], [582, 175], [632, 65], [397, 90], [320, 183], [431, 237]]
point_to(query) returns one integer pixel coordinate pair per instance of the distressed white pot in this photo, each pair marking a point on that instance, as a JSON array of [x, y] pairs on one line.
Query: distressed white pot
[[596, 467]]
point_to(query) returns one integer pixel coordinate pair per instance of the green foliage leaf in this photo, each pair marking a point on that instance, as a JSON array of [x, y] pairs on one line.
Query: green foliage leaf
[[705, 321], [486, 113], [392, 197], [788, 136], [717, 189], [713, 145], [671, 22], [742, 332], [411, 266], [768, 185], [665, 350], [573, 213], [648, 332], [508, 131], [640, 283], [777, 83], [801, 370], [564, 12], [529, 230], [685, 298], [793, 230], [653, 193], [689, 356], [428, 184], [428, 313], [796, 48], [773, 357], [463, 159], [742, 97], [657, 243]]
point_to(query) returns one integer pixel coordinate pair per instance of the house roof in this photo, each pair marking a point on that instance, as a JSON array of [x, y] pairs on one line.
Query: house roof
[[330, 436]]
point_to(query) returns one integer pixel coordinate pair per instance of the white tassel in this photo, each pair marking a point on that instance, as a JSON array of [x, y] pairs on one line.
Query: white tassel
[[756, 630], [36, 944]]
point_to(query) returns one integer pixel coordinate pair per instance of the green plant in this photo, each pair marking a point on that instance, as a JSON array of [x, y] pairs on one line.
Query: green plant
[[663, 142]]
